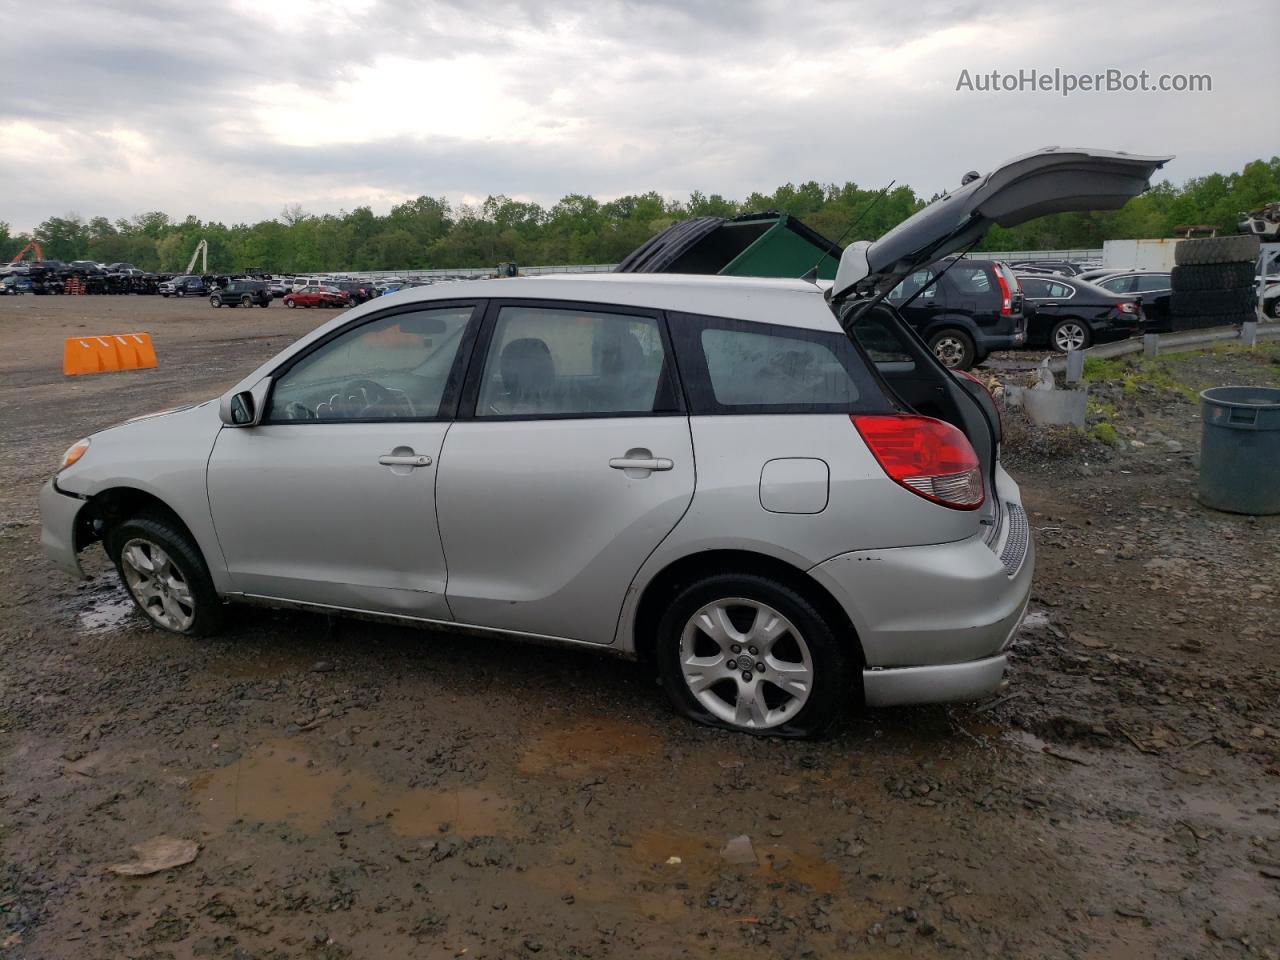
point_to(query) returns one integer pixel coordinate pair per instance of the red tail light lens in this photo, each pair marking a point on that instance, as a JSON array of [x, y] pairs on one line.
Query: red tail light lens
[[930, 458], [1126, 307], [1006, 298]]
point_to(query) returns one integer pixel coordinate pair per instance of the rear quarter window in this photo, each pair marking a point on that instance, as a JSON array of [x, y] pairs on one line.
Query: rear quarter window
[[740, 367]]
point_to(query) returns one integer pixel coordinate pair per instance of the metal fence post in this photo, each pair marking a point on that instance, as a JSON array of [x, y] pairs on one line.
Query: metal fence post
[[1249, 333], [1075, 366], [1150, 345]]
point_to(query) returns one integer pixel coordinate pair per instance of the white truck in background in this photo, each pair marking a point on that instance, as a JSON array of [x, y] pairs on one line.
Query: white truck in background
[[1139, 254]]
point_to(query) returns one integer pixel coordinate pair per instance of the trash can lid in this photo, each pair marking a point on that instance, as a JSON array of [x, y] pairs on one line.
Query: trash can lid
[[1253, 397]]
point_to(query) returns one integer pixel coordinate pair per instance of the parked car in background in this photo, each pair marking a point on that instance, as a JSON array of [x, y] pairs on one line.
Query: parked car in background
[[1065, 313], [1064, 267], [317, 297], [85, 268], [360, 290], [1094, 274], [1271, 298], [1153, 288], [964, 309], [17, 283], [183, 286], [242, 293]]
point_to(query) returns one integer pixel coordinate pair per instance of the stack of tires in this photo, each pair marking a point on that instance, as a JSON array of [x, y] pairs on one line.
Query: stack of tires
[[1213, 282]]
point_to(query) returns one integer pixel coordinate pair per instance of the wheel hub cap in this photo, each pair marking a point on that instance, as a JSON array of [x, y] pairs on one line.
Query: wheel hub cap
[[762, 683]]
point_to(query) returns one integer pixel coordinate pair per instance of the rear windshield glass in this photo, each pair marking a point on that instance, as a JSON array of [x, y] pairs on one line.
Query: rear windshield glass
[[733, 366]]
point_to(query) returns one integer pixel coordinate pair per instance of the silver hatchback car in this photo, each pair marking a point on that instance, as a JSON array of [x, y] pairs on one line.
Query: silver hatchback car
[[769, 491]]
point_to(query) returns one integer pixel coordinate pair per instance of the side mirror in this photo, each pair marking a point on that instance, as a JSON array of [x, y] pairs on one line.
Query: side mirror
[[244, 408]]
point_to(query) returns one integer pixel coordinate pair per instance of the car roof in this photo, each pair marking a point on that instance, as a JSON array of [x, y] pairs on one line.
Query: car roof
[[764, 300]]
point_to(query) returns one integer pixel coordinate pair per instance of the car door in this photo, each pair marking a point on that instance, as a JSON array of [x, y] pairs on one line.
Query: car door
[[571, 460], [330, 499]]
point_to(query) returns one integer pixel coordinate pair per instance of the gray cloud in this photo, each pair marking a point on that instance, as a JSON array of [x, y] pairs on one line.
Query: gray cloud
[[211, 109]]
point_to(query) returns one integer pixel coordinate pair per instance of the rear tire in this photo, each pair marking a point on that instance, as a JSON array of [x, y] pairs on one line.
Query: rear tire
[[1201, 303], [789, 677], [1212, 276], [164, 574], [954, 348], [1069, 334]]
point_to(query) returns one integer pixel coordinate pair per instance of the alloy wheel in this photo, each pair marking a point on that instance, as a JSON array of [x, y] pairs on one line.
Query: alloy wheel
[[157, 584], [746, 663], [950, 351], [1069, 336]]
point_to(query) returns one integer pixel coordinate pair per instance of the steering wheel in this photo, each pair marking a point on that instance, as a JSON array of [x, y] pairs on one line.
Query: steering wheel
[[368, 398], [298, 411]]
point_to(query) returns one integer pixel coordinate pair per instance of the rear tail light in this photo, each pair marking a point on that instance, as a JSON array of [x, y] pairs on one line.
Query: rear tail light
[[930, 458], [1006, 297], [1129, 308]]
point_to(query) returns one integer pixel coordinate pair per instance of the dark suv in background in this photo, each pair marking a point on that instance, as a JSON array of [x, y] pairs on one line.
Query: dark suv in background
[[242, 293], [964, 309]]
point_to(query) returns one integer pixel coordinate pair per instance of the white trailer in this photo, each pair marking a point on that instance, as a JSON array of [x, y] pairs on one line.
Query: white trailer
[[1139, 254]]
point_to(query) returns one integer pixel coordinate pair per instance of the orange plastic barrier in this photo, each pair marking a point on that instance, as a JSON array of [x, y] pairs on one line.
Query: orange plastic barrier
[[123, 351]]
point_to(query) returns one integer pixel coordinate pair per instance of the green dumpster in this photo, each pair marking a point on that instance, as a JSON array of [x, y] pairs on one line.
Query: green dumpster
[[769, 244]]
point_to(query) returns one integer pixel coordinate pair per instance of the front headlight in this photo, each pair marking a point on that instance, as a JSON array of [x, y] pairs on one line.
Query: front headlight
[[74, 453]]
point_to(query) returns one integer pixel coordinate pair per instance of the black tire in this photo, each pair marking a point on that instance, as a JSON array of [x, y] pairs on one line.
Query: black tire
[[290, 304], [163, 531], [1196, 303], [181, 293], [1059, 335], [831, 661], [1212, 276], [1272, 308], [215, 301], [1216, 250], [246, 301], [954, 348]]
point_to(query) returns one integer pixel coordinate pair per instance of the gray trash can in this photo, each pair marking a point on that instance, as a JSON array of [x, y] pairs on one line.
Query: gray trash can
[[1240, 449]]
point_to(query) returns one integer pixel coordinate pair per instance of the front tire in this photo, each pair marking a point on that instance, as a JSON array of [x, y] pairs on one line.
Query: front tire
[[954, 348], [164, 574], [748, 653], [1069, 334]]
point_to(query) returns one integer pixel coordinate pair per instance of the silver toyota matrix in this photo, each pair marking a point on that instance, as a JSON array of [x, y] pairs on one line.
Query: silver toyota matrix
[[769, 491]]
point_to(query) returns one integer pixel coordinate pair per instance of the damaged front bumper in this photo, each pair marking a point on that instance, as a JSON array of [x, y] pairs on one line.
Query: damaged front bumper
[[59, 511]]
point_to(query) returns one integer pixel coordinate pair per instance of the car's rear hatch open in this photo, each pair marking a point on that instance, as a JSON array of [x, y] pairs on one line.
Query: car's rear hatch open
[[1050, 180]]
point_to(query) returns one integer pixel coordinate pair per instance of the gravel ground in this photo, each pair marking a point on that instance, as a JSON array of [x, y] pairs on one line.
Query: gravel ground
[[359, 790]]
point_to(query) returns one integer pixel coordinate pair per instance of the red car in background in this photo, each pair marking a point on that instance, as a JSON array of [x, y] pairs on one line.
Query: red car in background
[[318, 297]]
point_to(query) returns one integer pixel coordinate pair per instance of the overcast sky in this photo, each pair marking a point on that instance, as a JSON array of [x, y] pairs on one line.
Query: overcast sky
[[231, 109]]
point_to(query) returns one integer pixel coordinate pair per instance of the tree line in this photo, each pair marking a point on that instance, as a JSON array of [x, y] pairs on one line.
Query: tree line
[[431, 233]]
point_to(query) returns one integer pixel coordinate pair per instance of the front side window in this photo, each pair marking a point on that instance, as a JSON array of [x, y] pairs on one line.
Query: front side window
[[564, 362], [912, 285], [389, 369]]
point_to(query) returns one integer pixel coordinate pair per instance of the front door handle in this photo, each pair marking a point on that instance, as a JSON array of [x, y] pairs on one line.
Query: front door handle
[[641, 463], [404, 460]]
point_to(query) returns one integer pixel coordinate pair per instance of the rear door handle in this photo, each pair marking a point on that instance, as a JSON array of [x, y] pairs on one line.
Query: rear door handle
[[404, 460], [641, 463]]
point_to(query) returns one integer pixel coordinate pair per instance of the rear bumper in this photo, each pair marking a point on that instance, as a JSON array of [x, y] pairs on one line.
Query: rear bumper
[[58, 513], [933, 621], [937, 684]]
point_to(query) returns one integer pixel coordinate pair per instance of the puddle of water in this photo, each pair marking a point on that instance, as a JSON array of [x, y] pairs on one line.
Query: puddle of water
[[281, 782], [109, 612], [700, 856], [593, 747]]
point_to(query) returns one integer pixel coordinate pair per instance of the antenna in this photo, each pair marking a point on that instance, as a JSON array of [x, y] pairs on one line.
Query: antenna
[[812, 273]]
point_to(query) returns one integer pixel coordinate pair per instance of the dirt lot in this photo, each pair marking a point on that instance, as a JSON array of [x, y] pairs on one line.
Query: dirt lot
[[359, 790]]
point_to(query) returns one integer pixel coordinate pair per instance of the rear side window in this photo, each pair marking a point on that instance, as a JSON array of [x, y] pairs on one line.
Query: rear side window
[[740, 367], [970, 278]]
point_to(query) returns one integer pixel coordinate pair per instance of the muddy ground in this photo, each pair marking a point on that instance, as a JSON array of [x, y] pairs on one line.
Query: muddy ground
[[367, 791]]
